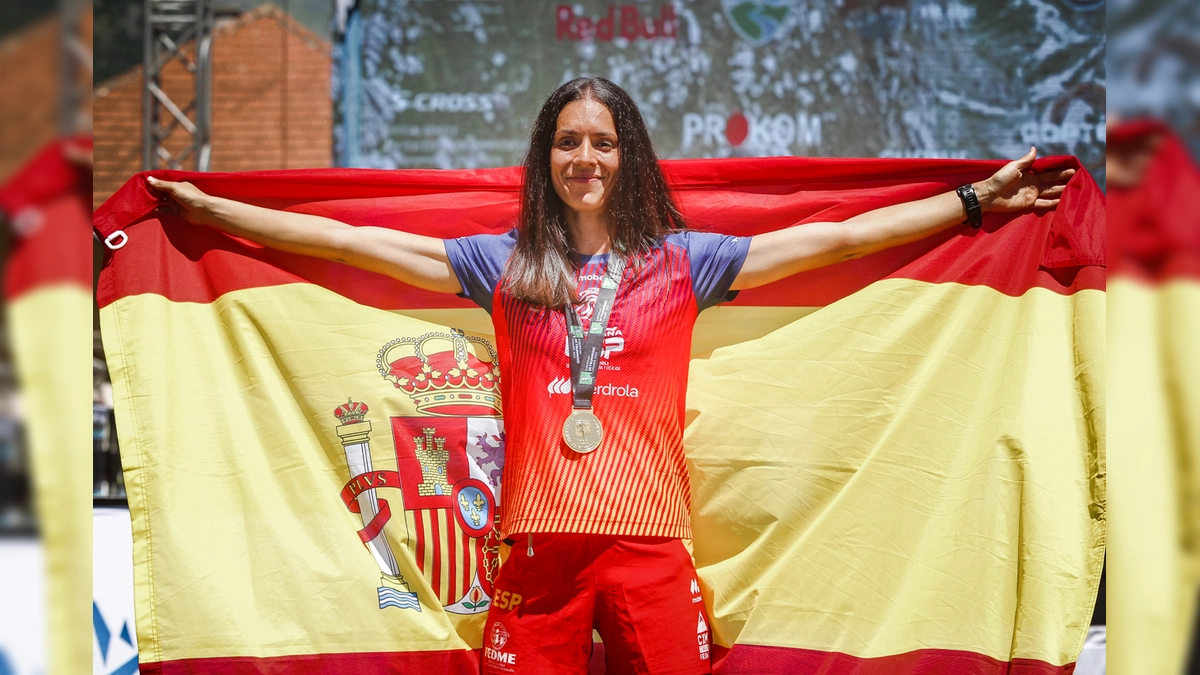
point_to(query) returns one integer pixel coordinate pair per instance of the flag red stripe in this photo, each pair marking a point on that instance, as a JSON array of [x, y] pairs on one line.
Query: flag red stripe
[[187, 263], [450, 555], [468, 563], [47, 203], [439, 554], [378, 663], [1153, 223], [422, 534], [757, 659], [765, 660], [207, 264]]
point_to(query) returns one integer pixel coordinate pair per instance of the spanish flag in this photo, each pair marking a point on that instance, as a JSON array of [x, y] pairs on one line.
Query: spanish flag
[[47, 291], [897, 462], [1154, 317]]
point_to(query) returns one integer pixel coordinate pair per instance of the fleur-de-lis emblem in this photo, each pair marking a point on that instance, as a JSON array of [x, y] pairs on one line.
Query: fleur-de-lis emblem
[[474, 508]]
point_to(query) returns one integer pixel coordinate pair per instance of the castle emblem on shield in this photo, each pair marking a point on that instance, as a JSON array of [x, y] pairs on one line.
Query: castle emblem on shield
[[449, 459]]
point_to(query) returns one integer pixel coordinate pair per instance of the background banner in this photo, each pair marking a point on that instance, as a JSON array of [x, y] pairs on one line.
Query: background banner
[[456, 84]]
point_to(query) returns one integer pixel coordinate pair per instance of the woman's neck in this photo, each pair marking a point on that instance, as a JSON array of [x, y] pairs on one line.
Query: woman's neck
[[589, 233]]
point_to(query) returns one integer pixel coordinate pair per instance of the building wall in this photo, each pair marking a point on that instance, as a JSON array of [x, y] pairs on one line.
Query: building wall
[[271, 105], [29, 90]]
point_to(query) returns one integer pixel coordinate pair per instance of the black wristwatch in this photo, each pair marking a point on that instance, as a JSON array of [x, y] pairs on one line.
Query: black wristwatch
[[971, 205]]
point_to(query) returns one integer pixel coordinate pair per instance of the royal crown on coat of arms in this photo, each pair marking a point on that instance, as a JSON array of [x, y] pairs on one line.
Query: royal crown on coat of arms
[[441, 375], [350, 412]]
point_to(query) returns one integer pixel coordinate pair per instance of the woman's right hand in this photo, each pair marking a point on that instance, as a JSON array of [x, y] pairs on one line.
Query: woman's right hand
[[184, 200]]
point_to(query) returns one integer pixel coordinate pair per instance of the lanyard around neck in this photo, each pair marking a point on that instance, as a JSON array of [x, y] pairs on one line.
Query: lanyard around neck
[[585, 350]]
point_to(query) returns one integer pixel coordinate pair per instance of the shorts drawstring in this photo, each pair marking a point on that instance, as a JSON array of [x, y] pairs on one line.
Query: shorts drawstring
[[530, 551]]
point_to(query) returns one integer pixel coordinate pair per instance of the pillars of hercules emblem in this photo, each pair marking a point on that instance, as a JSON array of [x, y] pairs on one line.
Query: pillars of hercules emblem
[[394, 591]]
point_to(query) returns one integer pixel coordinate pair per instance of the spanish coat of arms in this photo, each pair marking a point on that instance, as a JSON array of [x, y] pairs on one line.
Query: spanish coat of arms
[[449, 459]]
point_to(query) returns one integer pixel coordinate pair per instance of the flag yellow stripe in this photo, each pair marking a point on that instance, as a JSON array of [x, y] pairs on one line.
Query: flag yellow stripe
[[916, 466], [242, 544], [882, 456], [1155, 430], [48, 332]]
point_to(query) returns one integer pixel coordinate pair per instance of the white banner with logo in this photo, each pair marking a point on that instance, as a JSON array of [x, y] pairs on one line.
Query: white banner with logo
[[114, 637], [22, 607]]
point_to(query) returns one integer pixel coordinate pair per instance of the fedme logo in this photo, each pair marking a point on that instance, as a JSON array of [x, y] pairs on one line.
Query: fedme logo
[[626, 22], [502, 657]]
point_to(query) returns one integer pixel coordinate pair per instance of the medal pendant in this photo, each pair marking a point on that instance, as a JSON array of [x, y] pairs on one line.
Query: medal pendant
[[582, 431]]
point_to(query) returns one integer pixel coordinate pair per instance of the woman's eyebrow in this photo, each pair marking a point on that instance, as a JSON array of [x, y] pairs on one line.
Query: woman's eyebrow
[[572, 132]]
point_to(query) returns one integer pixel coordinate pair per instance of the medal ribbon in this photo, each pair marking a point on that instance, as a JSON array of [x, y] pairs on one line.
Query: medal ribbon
[[585, 349]]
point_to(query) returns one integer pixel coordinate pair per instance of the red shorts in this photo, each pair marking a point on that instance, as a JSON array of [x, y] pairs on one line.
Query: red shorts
[[640, 593]]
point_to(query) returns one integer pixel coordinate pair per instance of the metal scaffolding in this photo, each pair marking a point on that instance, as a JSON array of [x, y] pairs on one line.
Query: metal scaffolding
[[74, 70], [177, 31]]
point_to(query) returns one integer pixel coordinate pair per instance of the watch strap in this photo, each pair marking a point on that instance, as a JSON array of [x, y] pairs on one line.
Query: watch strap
[[971, 205]]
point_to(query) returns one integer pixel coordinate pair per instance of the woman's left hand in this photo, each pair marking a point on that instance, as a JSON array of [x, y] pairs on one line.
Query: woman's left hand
[[1015, 187]]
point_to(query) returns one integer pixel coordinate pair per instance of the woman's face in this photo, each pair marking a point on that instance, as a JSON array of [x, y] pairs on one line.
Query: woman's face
[[584, 158]]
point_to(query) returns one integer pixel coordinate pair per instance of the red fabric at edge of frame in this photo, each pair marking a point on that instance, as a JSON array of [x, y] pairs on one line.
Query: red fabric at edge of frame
[[748, 659], [766, 660]]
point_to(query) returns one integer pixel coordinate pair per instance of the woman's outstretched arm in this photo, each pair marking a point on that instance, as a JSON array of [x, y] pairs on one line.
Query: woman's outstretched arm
[[414, 259], [785, 252]]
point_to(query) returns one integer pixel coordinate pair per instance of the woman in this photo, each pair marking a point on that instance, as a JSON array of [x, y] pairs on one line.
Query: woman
[[596, 489]]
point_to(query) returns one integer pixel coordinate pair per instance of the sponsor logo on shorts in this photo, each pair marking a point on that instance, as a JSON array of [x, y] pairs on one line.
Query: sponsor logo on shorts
[[506, 600], [696, 592], [493, 650], [499, 635], [702, 637], [498, 656]]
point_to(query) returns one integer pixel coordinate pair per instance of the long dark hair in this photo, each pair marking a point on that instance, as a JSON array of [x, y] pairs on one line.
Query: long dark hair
[[640, 210]]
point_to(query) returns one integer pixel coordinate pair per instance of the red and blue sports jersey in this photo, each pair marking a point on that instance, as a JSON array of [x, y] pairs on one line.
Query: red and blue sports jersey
[[636, 482]]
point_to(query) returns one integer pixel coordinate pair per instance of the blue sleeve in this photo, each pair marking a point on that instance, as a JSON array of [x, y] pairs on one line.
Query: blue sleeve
[[716, 260], [478, 261]]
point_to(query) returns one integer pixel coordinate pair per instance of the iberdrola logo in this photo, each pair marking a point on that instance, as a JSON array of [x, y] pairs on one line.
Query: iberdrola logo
[[758, 22]]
